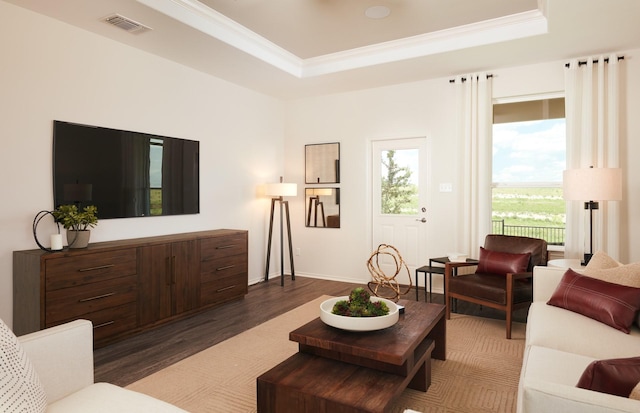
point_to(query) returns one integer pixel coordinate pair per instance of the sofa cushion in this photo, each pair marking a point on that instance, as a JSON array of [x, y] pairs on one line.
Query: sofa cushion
[[107, 398], [613, 304], [495, 262], [612, 376], [20, 388], [548, 384], [635, 393], [564, 330]]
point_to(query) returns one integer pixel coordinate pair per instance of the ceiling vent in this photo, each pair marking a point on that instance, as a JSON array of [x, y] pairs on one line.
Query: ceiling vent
[[127, 24]]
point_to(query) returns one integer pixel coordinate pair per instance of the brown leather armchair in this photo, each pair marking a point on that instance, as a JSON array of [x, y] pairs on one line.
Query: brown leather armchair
[[510, 287]]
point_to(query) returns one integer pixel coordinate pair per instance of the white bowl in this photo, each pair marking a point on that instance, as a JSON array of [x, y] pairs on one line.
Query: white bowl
[[358, 323]]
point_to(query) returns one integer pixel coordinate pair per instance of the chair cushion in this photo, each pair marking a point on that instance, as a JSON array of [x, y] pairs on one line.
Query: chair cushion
[[20, 387], [613, 376], [501, 263], [490, 287], [613, 304]]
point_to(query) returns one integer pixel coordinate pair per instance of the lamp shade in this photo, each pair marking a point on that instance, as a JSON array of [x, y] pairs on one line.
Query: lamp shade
[[592, 184], [281, 189]]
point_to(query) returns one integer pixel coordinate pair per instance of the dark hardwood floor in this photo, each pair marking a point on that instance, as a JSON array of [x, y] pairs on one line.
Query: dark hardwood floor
[[131, 359]]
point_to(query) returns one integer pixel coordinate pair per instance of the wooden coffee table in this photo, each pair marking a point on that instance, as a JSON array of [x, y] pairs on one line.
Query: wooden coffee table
[[340, 371]]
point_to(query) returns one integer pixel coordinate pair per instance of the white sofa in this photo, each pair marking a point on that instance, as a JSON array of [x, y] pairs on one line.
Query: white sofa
[[560, 344], [63, 358]]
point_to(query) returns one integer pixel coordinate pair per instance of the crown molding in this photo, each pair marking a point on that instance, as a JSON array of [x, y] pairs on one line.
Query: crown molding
[[201, 17]]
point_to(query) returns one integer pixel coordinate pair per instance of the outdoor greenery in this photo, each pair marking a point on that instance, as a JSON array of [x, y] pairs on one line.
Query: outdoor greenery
[[399, 196], [529, 206], [155, 207], [529, 209]]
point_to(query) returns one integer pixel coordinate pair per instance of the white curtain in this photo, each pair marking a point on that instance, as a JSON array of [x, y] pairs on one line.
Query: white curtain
[[475, 119], [592, 118]]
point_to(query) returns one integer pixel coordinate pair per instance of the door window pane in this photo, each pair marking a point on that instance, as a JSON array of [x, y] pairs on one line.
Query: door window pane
[[399, 183]]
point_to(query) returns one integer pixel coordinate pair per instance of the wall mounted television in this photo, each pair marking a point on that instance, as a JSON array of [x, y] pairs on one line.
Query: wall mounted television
[[123, 173]]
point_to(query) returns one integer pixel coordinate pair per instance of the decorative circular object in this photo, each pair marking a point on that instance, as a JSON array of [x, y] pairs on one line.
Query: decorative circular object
[[358, 323], [36, 220], [382, 281]]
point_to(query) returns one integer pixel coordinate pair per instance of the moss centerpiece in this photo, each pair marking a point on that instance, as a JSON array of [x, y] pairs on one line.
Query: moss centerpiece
[[359, 312]]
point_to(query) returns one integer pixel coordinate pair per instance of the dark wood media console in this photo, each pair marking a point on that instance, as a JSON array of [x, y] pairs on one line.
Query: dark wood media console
[[128, 286]]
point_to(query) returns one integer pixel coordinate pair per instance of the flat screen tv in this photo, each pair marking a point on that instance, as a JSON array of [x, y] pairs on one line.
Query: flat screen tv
[[123, 173]]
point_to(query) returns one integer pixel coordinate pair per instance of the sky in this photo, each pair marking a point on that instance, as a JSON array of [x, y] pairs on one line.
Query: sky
[[533, 151]]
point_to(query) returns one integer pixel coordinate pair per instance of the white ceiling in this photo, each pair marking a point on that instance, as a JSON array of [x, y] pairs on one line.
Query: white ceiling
[[297, 48]]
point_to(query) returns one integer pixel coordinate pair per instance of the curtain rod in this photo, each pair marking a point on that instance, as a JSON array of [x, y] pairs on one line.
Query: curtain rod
[[464, 79], [584, 62]]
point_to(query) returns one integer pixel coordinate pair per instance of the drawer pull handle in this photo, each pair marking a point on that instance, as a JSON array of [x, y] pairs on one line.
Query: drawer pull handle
[[100, 267], [219, 290], [224, 247], [97, 297], [108, 323], [224, 268]]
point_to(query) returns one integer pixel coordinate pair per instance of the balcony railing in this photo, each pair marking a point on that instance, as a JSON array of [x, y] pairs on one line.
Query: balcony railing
[[553, 235]]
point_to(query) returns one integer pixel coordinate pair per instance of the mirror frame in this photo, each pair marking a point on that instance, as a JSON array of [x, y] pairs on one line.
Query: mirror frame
[[322, 163], [316, 216]]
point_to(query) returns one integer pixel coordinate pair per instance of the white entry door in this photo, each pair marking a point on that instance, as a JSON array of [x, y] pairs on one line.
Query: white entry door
[[400, 184]]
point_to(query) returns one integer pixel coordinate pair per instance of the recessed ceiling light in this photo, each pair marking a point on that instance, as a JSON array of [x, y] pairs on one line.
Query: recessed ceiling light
[[377, 12]]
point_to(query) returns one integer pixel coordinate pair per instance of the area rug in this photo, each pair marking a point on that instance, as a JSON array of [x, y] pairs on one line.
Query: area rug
[[480, 374]]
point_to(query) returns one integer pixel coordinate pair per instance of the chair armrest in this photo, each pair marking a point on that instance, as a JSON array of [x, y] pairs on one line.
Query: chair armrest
[[62, 356], [449, 266], [522, 275]]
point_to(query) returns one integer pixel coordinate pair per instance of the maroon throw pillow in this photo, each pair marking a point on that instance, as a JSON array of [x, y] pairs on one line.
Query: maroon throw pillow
[[495, 262], [614, 376], [612, 304]]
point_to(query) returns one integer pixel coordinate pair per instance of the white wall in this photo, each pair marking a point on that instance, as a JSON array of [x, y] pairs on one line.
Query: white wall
[[50, 70], [424, 108]]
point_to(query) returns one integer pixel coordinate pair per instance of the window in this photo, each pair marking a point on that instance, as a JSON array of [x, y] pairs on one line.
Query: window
[[529, 155]]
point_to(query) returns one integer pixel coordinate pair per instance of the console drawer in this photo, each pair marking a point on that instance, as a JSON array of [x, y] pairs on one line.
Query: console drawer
[[223, 267], [77, 302], [65, 272], [223, 289], [216, 247]]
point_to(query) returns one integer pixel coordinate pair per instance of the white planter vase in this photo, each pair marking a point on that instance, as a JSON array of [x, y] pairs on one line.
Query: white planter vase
[[78, 239]]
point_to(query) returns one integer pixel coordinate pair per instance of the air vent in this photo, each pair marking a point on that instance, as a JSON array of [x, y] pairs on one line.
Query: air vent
[[127, 24]]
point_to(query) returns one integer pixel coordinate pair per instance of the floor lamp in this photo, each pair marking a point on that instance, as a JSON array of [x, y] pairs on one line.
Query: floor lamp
[[592, 185], [315, 203], [278, 192]]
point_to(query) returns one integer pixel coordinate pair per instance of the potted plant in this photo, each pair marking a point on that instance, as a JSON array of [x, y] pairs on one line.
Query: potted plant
[[77, 223]]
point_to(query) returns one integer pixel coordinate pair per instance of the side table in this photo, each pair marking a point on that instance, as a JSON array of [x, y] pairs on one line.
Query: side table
[[437, 269]]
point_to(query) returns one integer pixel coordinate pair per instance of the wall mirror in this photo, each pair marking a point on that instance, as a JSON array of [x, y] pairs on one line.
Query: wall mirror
[[322, 163], [323, 207]]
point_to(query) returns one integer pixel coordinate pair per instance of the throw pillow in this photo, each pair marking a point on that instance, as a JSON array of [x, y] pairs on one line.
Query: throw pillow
[[601, 261], [20, 388], [495, 262], [628, 275], [612, 304], [614, 376], [607, 269]]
